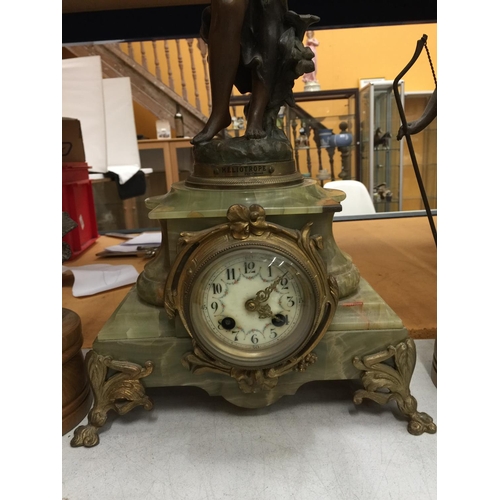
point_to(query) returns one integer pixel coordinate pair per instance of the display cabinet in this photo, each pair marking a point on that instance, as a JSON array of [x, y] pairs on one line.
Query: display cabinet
[[381, 153], [166, 161], [425, 147], [323, 129], [171, 156]]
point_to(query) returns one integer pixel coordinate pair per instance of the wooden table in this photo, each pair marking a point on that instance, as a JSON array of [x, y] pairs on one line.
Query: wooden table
[[396, 256]]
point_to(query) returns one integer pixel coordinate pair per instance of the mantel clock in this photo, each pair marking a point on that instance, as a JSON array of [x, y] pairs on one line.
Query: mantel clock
[[249, 297]]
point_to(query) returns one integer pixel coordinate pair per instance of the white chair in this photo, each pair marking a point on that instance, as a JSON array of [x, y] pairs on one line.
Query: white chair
[[358, 200]]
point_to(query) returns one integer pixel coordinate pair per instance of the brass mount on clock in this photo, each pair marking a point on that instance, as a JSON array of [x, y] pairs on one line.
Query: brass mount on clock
[[254, 296]]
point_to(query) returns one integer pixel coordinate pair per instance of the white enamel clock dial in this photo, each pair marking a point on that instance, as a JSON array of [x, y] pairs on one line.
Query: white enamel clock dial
[[252, 306]]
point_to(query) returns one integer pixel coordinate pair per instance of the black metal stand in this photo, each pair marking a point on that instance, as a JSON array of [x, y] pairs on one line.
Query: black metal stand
[[406, 132]]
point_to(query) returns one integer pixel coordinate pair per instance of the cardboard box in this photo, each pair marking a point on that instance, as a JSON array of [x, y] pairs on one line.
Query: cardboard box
[[78, 202], [72, 141]]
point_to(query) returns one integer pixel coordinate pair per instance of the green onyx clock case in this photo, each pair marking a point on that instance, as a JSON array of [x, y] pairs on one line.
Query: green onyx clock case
[[254, 296]]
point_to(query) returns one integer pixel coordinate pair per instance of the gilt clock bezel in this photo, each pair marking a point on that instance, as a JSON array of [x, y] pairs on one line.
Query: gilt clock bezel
[[256, 358]]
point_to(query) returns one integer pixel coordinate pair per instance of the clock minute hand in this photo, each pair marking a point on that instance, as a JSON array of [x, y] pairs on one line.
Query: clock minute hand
[[257, 303], [263, 295]]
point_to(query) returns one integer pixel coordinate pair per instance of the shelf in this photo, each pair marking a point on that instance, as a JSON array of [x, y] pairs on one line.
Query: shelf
[[310, 148]]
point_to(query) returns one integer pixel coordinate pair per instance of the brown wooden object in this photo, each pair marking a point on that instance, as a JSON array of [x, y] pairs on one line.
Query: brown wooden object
[[76, 394], [434, 365]]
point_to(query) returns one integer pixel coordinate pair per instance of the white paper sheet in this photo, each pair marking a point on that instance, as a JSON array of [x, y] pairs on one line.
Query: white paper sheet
[[83, 98], [97, 278], [125, 248], [121, 138], [145, 239]]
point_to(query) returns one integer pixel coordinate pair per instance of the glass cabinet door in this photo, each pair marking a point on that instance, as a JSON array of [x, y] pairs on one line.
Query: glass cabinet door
[[365, 146], [381, 152]]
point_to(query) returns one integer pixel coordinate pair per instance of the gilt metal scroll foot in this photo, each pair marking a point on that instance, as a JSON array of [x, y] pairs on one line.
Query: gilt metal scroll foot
[[384, 383], [121, 391]]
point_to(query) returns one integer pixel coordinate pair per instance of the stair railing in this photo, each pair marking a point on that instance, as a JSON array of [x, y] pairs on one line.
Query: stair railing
[[166, 60]]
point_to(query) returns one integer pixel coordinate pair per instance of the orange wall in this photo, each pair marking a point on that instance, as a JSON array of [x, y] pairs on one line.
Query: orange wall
[[347, 55], [145, 122]]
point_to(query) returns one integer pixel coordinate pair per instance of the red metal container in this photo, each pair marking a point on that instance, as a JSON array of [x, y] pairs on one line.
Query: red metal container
[[78, 202]]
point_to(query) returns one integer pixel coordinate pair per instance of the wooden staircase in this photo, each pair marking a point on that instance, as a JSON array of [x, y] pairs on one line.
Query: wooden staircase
[[148, 89]]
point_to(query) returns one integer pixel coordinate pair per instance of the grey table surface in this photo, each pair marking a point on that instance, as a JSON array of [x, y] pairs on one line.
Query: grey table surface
[[317, 444]]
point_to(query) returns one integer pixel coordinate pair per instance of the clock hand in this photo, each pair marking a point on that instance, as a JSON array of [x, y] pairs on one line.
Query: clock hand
[[263, 295], [257, 303], [263, 309]]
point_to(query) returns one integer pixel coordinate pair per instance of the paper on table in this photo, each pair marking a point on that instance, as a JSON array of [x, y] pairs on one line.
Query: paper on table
[[123, 248], [96, 278], [146, 238]]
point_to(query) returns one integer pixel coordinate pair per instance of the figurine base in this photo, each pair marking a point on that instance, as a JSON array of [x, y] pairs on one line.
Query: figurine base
[[238, 163]]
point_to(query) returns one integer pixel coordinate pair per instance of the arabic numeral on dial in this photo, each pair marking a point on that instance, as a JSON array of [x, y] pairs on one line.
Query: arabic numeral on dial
[[230, 273], [249, 267], [214, 306], [284, 284], [291, 302], [273, 333], [254, 338], [216, 288], [235, 333], [270, 272]]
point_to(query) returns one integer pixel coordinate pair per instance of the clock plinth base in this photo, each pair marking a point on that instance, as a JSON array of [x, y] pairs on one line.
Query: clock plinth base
[[366, 340]]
